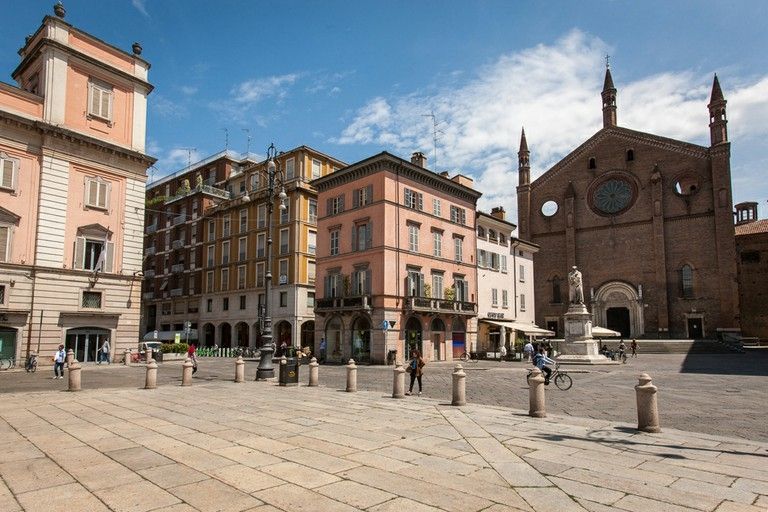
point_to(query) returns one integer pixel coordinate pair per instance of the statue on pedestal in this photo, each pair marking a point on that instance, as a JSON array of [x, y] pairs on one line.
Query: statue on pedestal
[[576, 287]]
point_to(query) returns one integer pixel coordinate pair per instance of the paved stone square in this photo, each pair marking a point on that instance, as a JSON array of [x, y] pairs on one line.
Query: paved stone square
[[221, 446]]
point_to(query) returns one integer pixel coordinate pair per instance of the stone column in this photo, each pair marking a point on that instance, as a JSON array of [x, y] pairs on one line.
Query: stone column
[[239, 369], [127, 360], [73, 373], [314, 370], [351, 376], [70, 357], [398, 381], [537, 407], [186, 372], [647, 405], [459, 386], [150, 381], [149, 353]]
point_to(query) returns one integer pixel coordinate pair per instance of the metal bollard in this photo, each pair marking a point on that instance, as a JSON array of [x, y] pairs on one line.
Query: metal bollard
[[186, 372], [351, 376], [314, 370], [73, 373], [398, 381], [537, 406], [127, 360], [150, 382], [70, 356], [647, 405], [281, 374], [459, 386], [239, 369]]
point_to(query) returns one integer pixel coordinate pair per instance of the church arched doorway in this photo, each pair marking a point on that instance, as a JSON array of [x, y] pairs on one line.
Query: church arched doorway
[[618, 306], [617, 319]]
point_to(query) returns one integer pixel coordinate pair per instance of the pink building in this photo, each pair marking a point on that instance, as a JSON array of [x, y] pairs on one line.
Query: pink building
[[72, 178], [396, 261]]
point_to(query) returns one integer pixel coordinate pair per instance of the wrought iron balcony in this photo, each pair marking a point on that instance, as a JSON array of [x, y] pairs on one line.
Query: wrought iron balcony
[[177, 268], [177, 292], [149, 251], [177, 244], [428, 305], [205, 189], [178, 219], [152, 228], [148, 295], [149, 273], [357, 303]]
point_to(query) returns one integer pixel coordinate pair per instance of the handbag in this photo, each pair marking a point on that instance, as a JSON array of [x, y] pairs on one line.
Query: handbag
[[408, 369]]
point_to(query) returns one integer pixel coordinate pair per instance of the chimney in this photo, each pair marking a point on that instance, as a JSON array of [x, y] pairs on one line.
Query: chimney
[[444, 174], [498, 212], [418, 158], [463, 180]]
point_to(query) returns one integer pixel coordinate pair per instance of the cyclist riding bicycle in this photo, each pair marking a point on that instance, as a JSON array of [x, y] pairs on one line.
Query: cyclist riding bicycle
[[541, 360]]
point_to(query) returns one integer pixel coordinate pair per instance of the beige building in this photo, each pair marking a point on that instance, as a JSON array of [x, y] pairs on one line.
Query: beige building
[[206, 250], [72, 177]]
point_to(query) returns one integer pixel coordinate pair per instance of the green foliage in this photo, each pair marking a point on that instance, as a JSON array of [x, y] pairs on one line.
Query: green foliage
[[154, 201], [449, 293], [174, 348]]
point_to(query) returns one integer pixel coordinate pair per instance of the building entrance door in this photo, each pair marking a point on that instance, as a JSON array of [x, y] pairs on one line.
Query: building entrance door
[[695, 329], [7, 343], [85, 342], [617, 319]]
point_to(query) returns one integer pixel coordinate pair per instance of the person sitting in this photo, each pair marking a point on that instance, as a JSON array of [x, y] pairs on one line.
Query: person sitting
[[540, 360]]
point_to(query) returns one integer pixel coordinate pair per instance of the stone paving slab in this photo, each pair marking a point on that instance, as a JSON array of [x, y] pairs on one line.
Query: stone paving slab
[[214, 447]]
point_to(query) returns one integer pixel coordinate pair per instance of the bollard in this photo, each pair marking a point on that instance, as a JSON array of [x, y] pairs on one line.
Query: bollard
[[351, 376], [74, 370], [186, 372], [127, 360], [150, 382], [537, 407], [239, 369], [459, 386], [398, 381], [647, 405], [149, 354], [70, 356], [314, 370], [281, 375]]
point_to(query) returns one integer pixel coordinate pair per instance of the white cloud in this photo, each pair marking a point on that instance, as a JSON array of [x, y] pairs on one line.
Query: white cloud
[[173, 160], [167, 108], [188, 90], [139, 5], [253, 91], [554, 91]]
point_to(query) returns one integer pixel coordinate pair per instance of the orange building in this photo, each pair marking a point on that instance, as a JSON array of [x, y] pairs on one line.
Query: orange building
[[396, 258]]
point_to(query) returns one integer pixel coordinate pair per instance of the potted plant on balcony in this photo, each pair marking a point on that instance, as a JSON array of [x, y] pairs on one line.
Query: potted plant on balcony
[[449, 293]]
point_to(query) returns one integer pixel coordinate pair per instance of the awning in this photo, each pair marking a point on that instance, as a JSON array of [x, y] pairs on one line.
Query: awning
[[170, 335], [522, 327], [604, 332]]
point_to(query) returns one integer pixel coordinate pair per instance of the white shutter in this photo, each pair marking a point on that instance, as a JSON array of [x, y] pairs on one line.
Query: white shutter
[[5, 239], [79, 252], [108, 260], [93, 99], [92, 191], [104, 189], [7, 179]]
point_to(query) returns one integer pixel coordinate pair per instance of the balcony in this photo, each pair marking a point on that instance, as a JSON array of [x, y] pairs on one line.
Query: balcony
[[361, 302], [177, 268], [177, 292], [177, 244], [149, 251], [178, 218], [148, 295], [149, 273], [152, 228], [427, 305], [204, 188]]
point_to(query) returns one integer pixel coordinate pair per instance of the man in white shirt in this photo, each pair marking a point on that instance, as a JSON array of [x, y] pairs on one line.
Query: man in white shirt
[[59, 357], [528, 351]]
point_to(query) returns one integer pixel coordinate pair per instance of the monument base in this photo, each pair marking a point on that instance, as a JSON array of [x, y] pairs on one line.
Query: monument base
[[579, 346]]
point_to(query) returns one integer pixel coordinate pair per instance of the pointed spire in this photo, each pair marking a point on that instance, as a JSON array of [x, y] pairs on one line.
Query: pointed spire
[[523, 142], [717, 92], [609, 100], [523, 161], [608, 83]]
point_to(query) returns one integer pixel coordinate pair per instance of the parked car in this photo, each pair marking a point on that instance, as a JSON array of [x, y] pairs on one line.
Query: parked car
[[154, 345]]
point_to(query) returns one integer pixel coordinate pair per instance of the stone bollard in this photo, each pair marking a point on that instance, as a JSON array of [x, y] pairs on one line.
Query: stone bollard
[[239, 369], [73, 372], [647, 405], [398, 381], [537, 407], [351, 376], [149, 353], [150, 382], [186, 372], [127, 360], [314, 370], [459, 386], [70, 356]]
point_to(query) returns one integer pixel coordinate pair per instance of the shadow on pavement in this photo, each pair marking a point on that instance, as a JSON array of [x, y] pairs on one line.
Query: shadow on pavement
[[750, 363]]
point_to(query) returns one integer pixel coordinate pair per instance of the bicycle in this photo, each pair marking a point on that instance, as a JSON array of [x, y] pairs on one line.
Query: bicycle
[[562, 379], [31, 364], [7, 364], [471, 356]]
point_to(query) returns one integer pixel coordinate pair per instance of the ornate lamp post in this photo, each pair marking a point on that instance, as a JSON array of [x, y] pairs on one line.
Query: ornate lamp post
[[274, 177]]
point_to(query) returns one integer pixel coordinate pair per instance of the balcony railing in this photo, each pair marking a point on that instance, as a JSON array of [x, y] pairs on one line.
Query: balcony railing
[[344, 303], [149, 273], [177, 244], [205, 189], [427, 305], [152, 228], [176, 292], [177, 268], [178, 218], [149, 251], [148, 295]]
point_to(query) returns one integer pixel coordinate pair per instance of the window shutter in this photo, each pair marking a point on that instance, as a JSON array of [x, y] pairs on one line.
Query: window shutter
[[327, 286], [408, 288], [79, 252], [341, 204], [93, 193], [105, 104], [5, 236], [421, 201], [108, 259], [368, 282], [354, 238], [355, 198], [8, 174], [369, 194], [369, 235], [421, 285], [93, 99], [103, 194], [329, 207], [355, 282]]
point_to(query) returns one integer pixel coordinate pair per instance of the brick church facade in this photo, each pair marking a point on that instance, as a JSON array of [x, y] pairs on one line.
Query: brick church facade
[[649, 222]]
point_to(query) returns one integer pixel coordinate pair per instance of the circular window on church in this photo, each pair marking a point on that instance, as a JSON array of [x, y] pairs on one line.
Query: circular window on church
[[613, 195], [549, 208]]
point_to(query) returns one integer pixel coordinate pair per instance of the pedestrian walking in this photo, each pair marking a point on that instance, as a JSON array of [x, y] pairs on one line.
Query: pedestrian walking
[[633, 348], [192, 355], [416, 369], [323, 349], [58, 362], [104, 352], [528, 351], [503, 353]]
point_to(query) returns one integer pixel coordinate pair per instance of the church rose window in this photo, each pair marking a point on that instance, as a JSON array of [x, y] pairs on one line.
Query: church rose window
[[613, 196], [549, 208]]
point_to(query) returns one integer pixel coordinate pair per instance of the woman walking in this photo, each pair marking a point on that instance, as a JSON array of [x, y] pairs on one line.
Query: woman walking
[[416, 369]]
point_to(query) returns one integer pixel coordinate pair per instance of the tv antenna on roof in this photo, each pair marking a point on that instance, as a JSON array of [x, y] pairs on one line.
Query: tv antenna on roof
[[226, 139], [435, 133], [189, 155], [248, 141]]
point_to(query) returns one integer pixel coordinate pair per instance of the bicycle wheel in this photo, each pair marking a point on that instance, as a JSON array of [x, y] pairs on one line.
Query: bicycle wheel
[[34, 366], [464, 357], [563, 381]]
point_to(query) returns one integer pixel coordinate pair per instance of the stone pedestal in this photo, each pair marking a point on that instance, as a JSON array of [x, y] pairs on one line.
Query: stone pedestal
[[351, 376], [239, 369], [579, 346], [314, 370], [398, 381], [459, 386]]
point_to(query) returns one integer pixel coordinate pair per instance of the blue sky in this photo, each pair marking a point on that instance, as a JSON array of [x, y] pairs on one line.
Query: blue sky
[[355, 78]]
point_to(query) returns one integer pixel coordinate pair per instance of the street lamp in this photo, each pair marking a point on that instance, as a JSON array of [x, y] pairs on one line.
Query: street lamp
[[266, 370]]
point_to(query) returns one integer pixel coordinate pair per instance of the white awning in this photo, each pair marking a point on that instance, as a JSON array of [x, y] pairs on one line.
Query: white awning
[[604, 332], [522, 327]]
